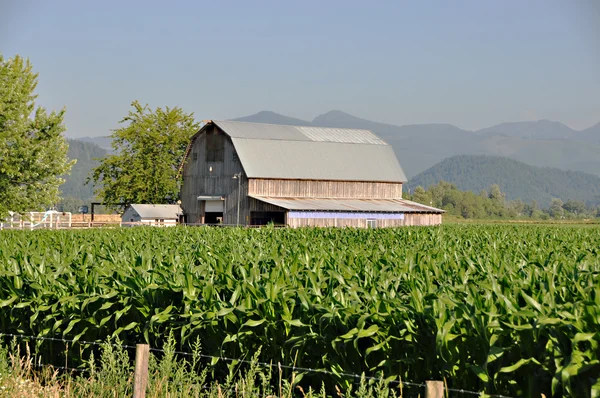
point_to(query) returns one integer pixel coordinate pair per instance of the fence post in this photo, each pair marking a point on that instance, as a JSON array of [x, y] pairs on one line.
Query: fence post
[[140, 378], [434, 389]]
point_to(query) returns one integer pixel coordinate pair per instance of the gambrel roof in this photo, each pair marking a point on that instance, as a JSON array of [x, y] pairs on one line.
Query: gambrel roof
[[311, 153]]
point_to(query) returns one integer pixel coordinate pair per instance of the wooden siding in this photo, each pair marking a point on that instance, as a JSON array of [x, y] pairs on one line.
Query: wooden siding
[[324, 189], [199, 180], [410, 219], [215, 178]]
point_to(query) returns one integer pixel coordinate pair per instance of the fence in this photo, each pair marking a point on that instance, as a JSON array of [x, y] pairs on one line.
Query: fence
[[37, 220], [429, 388], [81, 223]]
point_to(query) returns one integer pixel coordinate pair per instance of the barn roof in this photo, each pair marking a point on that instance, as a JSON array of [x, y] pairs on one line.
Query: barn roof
[[157, 211], [352, 205], [312, 153]]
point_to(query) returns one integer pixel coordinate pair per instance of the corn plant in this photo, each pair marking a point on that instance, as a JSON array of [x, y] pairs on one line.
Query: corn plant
[[513, 310]]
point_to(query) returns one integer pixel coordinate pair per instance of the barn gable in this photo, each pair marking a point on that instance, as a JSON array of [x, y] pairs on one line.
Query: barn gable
[[311, 153]]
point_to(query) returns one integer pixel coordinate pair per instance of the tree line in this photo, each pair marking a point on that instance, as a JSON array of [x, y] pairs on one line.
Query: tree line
[[492, 203]]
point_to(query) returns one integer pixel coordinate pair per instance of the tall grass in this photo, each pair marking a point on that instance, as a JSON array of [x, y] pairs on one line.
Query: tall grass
[[169, 377]]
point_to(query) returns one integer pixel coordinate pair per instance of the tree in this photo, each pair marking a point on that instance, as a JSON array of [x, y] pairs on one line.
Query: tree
[[420, 195], [33, 150], [556, 208], [496, 194], [532, 210], [517, 207], [574, 206], [148, 152]]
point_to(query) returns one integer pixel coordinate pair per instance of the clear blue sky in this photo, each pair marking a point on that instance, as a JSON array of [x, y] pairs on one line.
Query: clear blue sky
[[469, 63]]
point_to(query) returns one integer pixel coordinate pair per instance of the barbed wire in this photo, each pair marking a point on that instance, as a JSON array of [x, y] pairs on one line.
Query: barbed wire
[[277, 365], [63, 340]]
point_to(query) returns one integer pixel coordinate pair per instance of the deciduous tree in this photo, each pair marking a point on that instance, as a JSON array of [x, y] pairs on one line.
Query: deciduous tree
[[148, 151], [33, 150]]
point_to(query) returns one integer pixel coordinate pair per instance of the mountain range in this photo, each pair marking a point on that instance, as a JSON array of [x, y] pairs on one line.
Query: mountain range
[[419, 147]]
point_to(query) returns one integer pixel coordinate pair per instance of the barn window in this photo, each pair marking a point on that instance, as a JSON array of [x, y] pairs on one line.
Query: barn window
[[235, 156], [215, 147], [371, 223], [194, 156]]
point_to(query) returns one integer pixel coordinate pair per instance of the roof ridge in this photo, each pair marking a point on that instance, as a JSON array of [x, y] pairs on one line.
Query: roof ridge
[[293, 125], [311, 141]]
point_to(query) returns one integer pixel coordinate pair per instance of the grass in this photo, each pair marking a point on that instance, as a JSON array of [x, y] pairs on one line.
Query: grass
[[169, 377]]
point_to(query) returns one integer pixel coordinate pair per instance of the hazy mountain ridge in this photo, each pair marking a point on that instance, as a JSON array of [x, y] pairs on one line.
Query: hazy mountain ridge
[[517, 179], [541, 129], [418, 147], [272, 118]]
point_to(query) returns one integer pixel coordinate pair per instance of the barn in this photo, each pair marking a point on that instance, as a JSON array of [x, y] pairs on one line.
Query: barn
[[150, 214], [241, 173]]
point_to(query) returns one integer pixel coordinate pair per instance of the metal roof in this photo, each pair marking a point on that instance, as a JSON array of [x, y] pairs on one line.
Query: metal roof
[[312, 153], [310, 160], [157, 211], [364, 205], [263, 131]]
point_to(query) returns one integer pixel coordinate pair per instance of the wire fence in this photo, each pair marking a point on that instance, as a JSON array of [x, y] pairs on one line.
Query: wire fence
[[279, 366]]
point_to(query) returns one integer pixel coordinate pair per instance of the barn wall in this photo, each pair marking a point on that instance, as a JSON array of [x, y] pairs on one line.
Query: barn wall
[[324, 189], [199, 180]]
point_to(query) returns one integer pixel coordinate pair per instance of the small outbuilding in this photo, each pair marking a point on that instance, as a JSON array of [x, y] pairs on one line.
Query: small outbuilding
[[241, 173], [149, 214]]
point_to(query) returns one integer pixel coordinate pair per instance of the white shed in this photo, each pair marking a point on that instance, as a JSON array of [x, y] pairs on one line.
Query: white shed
[[148, 214]]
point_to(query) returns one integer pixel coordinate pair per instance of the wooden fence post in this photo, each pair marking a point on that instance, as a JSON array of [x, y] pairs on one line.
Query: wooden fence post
[[434, 389], [140, 378]]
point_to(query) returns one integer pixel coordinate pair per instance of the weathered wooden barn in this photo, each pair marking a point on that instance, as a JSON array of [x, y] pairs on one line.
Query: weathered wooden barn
[[253, 174]]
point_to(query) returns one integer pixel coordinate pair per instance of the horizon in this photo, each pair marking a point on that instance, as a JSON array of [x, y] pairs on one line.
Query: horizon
[[468, 64], [375, 121]]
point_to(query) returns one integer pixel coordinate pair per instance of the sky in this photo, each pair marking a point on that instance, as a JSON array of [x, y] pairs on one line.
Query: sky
[[473, 64]]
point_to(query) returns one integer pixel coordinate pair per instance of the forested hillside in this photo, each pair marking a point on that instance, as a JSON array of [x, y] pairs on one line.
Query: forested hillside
[[518, 180]]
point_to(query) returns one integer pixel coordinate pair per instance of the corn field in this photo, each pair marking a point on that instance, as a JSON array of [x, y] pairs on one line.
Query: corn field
[[511, 310]]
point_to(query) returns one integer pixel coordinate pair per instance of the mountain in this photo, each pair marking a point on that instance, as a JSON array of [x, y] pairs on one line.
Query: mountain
[[591, 134], [272, 118], [103, 142], [541, 129], [419, 147], [517, 179], [341, 119], [86, 154]]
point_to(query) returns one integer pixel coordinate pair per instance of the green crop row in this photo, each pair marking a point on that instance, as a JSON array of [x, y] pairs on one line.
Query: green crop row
[[502, 309]]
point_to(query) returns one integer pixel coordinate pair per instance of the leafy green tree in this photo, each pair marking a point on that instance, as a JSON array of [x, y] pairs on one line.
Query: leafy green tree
[[556, 208], [517, 207], [420, 195], [576, 207], [148, 152], [33, 150]]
